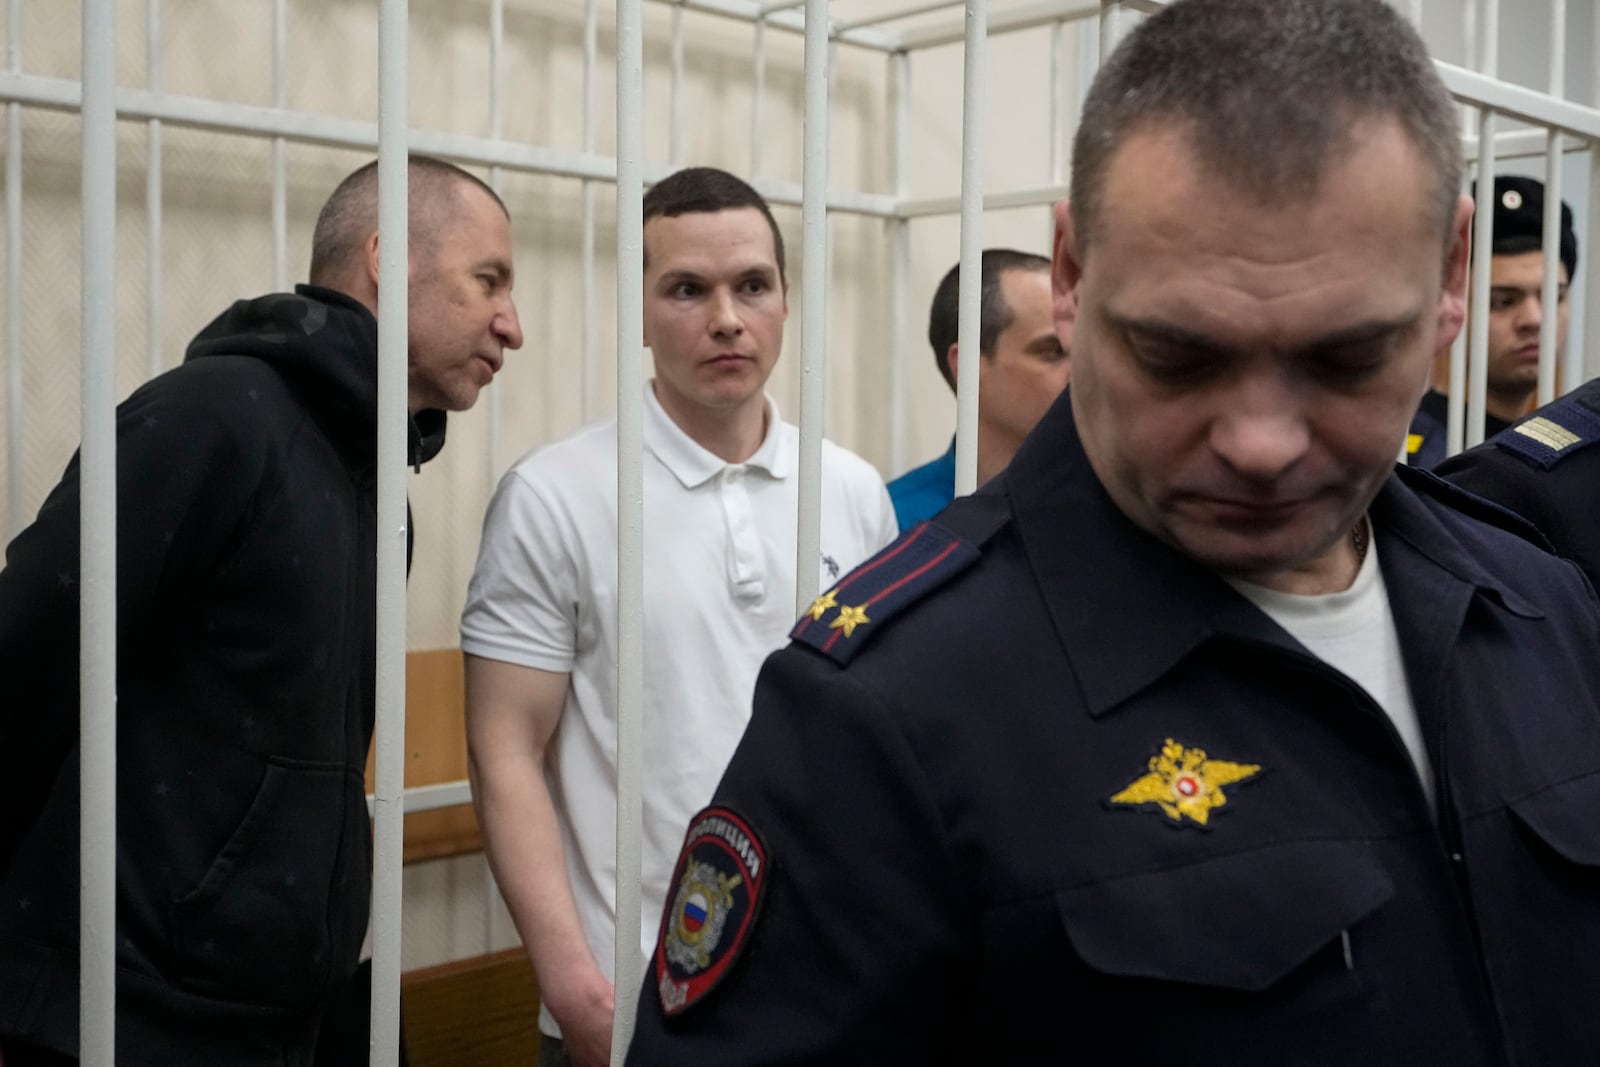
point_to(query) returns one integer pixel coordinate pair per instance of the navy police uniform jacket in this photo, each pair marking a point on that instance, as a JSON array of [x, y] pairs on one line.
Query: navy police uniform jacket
[[1546, 468], [1052, 793]]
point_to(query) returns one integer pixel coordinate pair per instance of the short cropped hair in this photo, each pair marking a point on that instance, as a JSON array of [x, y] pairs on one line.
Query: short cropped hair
[[705, 190], [994, 313], [1267, 92], [350, 215]]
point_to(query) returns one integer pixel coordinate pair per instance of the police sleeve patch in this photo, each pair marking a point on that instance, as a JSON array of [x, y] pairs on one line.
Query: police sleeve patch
[[715, 895], [843, 619]]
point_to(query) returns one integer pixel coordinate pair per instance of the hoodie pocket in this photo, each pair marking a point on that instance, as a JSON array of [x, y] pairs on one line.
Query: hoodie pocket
[[277, 912]]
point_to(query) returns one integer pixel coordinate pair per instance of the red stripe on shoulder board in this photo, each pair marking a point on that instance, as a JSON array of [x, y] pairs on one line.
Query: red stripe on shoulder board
[[912, 576]]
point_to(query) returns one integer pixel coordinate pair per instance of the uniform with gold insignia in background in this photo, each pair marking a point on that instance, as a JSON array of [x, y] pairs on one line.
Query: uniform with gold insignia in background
[[1546, 469], [1036, 788]]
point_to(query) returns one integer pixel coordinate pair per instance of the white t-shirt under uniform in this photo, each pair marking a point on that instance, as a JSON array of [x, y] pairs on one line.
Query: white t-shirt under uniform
[[719, 559], [1354, 631]]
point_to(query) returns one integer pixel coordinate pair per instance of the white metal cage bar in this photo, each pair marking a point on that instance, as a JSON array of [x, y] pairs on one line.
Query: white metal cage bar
[[814, 320], [280, 147], [154, 359], [969, 318], [16, 441], [628, 963], [97, 648], [390, 689]]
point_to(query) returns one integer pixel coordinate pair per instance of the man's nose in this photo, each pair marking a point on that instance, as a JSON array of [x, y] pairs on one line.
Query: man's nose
[[508, 327], [725, 318], [1262, 435]]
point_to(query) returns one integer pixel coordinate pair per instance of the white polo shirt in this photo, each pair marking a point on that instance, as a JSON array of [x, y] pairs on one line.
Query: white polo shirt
[[719, 558]]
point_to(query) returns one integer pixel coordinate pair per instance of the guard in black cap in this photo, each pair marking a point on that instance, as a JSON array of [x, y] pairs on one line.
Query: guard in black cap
[[1516, 275]]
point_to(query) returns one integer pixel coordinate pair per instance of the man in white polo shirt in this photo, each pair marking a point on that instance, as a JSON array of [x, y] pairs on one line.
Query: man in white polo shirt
[[539, 629]]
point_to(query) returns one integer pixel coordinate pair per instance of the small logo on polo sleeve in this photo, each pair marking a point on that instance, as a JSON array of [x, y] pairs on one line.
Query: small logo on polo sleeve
[[1185, 784], [717, 887]]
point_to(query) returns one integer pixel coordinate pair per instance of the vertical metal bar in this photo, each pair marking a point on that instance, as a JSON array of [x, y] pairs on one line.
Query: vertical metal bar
[[1482, 237], [280, 150], [393, 296], [152, 192], [495, 419], [758, 93], [629, 961], [1414, 12], [1058, 140], [975, 93], [586, 331], [1548, 307], [899, 260], [16, 512], [814, 322], [1573, 369], [1111, 18], [97, 649], [675, 121]]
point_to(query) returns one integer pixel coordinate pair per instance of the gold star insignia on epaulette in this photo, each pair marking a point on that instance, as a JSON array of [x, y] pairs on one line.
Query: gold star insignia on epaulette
[[820, 606], [1184, 783], [849, 618]]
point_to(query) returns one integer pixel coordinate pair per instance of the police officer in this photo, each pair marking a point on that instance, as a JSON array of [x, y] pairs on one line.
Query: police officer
[[1516, 318], [1546, 469], [1199, 735]]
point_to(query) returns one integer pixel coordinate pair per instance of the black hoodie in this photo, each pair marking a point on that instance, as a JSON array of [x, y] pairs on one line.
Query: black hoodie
[[246, 551]]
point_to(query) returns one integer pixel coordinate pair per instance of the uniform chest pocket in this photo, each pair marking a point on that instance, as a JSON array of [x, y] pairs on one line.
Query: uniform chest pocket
[[1564, 818], [1242, 922]]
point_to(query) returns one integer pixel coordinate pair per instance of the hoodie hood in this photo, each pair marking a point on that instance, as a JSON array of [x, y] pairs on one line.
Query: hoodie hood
[[324, 344]]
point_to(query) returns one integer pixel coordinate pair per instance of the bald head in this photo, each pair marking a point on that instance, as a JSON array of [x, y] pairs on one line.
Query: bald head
[[350, 218]]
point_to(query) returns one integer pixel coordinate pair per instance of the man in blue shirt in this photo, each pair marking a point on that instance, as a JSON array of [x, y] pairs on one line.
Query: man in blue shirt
[[1023, 369]]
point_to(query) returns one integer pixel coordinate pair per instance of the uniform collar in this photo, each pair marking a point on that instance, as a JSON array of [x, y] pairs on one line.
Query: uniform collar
[[694, 465], [1128, 608]]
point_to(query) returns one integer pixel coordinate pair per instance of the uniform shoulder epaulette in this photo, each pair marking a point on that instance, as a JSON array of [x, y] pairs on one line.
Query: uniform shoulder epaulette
[[845, 617], [1470, 503], [1558, 430]]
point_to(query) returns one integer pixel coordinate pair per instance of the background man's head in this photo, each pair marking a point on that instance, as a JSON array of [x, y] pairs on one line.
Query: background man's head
[[1516, 277], [715, 295], [1266, 241], [1025, 363], [461, 317]]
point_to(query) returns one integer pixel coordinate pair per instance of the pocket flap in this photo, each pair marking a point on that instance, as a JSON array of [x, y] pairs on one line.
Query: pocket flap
[[1241, 921], [1564, 816]]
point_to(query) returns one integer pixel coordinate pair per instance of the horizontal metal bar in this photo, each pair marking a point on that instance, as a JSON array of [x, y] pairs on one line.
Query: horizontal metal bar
[[432, 797], [901, 13], [784, 19], [951, 205], [1022, 17], [1519, 144], [250, 120], [1518, 102]]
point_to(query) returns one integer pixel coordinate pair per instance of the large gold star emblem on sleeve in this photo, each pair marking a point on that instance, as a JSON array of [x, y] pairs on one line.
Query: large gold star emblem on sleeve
[[819, 607], [1185, 783], [849, 618]]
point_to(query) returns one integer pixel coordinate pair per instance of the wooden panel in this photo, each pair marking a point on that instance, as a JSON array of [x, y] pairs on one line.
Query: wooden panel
[[480, 1012], [436, 752]]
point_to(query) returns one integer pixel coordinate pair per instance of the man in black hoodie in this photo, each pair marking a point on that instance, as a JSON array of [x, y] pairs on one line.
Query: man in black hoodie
[[246, 552]]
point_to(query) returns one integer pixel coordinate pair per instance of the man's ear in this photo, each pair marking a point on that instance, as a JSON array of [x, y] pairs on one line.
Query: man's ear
[[1065, 268], [952, 359], [1453, 293], [371, 260]]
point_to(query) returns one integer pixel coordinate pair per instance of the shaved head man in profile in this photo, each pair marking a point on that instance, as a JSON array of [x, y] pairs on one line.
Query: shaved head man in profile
[[246, 585], [1202, 733]]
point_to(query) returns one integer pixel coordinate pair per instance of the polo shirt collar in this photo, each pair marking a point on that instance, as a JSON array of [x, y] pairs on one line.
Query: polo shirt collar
[[1128, 608], [692, 464]]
